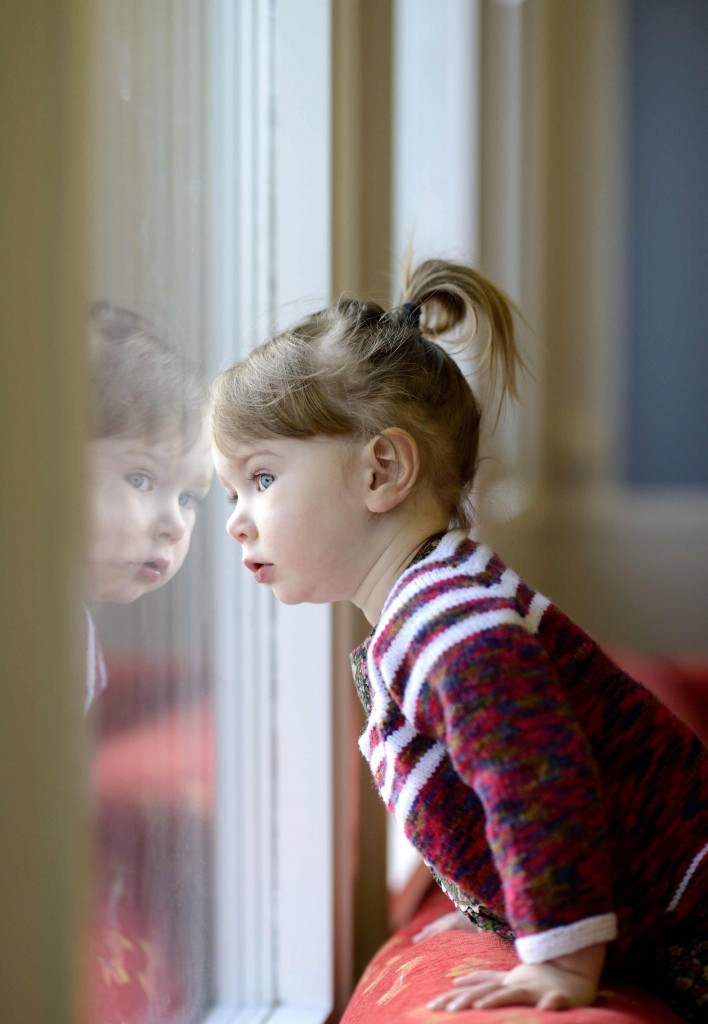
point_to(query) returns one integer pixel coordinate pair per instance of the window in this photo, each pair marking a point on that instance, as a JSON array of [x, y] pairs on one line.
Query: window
[[211, 766]]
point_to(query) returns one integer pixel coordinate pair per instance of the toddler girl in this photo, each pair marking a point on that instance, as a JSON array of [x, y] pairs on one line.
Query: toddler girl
[[149, 464], [554, 799]]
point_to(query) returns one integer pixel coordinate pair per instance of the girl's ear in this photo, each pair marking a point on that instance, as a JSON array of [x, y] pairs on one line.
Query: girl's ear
[[392, 464]]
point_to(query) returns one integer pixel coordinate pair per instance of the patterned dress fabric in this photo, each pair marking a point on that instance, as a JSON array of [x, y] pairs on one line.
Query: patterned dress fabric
[[551, 794]]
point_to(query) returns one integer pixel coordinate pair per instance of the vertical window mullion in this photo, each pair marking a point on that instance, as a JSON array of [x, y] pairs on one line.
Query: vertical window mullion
[[243, 640], [302, 258]]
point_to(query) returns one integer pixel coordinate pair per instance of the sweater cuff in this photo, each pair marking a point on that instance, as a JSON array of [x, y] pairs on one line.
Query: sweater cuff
[[569, 938]]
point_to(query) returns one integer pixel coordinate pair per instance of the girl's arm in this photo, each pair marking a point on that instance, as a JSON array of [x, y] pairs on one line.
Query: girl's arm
[[500, 711], [566, 981], [514, 740]]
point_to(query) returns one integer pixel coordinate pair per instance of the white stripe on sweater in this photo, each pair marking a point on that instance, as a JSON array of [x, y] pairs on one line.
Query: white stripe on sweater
[[393, 745], [458, 592], [692, 868], [417, 778], [387, 752], [405, 598], [471, 626], [379, 751], [376, 749], [472, 565], [466, 629], [535, 613], [569, 938], [372, 752]]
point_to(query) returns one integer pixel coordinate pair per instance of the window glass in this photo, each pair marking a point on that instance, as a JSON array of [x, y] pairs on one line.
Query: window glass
[[149, 616]]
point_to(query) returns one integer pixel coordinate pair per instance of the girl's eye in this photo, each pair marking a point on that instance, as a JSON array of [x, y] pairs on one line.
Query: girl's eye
[[140, 481], [232, 498], [263, 480], [188, 501]]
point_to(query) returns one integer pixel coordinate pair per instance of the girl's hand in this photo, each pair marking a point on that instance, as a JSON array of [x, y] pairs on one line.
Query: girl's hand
[[455, 920], [569, 980], [545, 986]]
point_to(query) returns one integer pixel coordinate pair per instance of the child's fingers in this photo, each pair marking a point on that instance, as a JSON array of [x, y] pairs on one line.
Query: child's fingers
[[463, 998], [492, 995], [488, 990], [508, 995], [554, 1001], [451, 1001], [477, 976]]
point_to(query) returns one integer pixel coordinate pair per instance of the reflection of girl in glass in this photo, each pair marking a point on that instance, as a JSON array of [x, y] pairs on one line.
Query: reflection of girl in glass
[[149, 464], [556, 801]]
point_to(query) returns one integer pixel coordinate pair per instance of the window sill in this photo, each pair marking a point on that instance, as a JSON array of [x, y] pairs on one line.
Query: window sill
[[267, 1015]]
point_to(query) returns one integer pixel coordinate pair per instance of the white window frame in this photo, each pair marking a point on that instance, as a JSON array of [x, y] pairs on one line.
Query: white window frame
[[271, 262], [476, 101], [443, 38], [458, 132]]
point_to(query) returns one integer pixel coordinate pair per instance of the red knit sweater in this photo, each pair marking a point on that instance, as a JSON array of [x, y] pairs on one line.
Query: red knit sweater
[[524, 765]]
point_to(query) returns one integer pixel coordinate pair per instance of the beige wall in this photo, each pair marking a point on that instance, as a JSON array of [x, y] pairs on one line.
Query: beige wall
[[42, 864], [630, 565], [361, 254]]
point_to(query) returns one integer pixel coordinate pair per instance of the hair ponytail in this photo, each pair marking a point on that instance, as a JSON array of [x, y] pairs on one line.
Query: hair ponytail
[[450, 295]]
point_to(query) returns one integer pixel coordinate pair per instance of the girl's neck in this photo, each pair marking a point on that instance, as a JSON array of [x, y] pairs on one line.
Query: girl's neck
[[397, 547]]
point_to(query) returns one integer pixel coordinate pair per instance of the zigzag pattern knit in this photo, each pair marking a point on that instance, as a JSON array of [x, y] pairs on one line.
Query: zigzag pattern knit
[[530, 772]]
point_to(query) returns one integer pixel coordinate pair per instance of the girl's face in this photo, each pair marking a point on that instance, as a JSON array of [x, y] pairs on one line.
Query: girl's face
[[143, 503], [299, 516]]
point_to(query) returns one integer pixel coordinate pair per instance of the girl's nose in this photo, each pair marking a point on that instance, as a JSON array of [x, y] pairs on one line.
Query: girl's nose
[[239, 525], [171, 523]]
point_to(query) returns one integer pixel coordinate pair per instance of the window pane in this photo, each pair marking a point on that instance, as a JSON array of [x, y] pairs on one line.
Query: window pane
[[149, 615]]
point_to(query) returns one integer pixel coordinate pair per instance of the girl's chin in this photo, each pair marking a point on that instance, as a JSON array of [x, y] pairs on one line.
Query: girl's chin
[[123, 595], [292, 598], [125, 588], [111, 598]]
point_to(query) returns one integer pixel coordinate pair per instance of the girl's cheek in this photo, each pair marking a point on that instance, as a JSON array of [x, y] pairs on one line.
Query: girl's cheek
[[187, 539], [182, 551]]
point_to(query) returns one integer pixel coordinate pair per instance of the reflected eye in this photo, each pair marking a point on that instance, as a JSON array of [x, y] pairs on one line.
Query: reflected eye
[[188, 501], [263, 480], [140, 481]]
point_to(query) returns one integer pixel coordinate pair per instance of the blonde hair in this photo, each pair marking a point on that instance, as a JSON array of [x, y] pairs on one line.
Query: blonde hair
[[353, 370], [139, 385]]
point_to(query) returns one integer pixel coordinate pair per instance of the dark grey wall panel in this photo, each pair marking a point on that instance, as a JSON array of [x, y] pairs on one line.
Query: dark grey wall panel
[[667, 194]]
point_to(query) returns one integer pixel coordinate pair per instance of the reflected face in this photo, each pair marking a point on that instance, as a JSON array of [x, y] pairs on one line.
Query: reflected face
[[143, 505], [303, 528]]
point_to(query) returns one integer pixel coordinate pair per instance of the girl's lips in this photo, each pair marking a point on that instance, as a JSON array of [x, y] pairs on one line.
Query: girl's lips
[[152, 572], [260, 570]]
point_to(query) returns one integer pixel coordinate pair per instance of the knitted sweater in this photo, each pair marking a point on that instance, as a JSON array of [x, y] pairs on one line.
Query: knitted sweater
[[528, 770]]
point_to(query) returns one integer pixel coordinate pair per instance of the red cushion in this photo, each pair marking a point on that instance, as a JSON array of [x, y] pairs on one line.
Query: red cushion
[[157, 778], [131, 973], [403, 977]]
